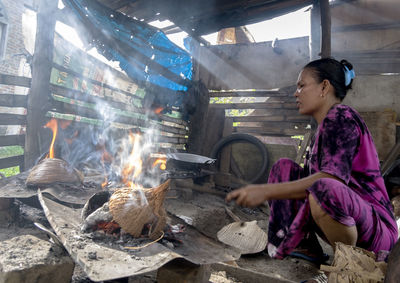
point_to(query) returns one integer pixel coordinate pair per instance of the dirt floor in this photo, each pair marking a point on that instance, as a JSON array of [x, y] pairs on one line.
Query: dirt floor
[[206, 213]]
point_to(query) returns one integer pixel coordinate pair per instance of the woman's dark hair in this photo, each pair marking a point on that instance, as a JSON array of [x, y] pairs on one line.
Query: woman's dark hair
[[333, 71]]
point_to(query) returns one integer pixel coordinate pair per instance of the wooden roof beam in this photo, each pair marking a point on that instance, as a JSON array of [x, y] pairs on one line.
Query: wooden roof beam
[[119, 4], [176, 29], [249, 16]]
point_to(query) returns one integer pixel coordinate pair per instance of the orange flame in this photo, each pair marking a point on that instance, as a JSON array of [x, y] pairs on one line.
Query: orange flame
[[161, 162], [108, 227], [105, 183], [133, 168], [105, 157], [158, 110], [52, 124]]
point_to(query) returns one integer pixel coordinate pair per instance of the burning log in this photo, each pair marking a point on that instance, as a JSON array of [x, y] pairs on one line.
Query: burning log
[[133, 209], [53, 170]]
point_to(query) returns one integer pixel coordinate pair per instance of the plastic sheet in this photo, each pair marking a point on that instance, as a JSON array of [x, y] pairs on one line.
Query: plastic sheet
[[142, 50]]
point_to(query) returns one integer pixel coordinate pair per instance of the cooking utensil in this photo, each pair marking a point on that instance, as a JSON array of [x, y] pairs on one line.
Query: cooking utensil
[[187, 161], [190, 158], [49, 233]]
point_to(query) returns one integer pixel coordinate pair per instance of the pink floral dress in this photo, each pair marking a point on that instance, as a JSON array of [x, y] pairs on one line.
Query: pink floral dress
[[342, 147]]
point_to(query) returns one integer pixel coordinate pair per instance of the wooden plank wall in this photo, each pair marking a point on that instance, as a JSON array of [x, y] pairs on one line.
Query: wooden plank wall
[[127, 110], [83, 89], [13, 101], [267, 72], [262, 66], [275, 115], [82, 109], [366, 33]]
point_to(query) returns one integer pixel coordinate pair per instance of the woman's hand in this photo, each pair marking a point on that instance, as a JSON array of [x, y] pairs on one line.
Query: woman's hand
[[254, 195], [250, 195]]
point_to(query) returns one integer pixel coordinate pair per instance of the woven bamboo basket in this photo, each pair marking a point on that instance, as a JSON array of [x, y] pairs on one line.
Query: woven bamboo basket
[[53, 170], [132, 209], [396, 205], [354, 264]]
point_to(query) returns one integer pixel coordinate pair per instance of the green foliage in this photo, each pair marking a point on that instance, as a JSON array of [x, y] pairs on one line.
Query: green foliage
[[233, 112], [298, 137], [8, 151], [10, 171], [220, 100]]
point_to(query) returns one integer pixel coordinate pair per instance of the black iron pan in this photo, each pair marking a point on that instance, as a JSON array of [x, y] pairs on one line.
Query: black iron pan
[[187, 161]]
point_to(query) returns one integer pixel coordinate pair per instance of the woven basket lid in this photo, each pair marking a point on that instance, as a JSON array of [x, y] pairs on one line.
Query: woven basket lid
[[245, 236], [53, 170]]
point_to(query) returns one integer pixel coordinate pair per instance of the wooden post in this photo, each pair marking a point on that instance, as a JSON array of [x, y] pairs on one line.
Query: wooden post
[[214, 128], [315, 35], [225, 162], [41, 69], [197, 119], [325, 29]]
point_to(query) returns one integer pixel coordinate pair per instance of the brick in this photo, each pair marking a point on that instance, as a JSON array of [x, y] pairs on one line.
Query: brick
[[15, 43], [26, 259]]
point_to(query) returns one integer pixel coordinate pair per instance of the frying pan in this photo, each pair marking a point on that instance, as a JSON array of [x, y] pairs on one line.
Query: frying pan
[[187, 161]]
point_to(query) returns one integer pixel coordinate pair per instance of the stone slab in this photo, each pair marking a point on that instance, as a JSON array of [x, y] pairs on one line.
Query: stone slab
[[29, 259]]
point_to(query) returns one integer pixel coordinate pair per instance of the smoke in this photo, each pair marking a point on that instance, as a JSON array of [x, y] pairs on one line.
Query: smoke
[[98, 138]]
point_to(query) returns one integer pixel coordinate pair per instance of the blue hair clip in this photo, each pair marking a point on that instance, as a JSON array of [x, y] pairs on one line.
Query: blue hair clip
[[348, 75]]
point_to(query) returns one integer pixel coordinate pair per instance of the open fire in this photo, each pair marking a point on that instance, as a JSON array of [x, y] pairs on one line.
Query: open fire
[[138, 211], [122, 219], [128, 207], [132, 207]]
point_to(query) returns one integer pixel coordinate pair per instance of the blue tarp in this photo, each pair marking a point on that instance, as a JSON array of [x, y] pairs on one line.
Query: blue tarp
[[144, 52]]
